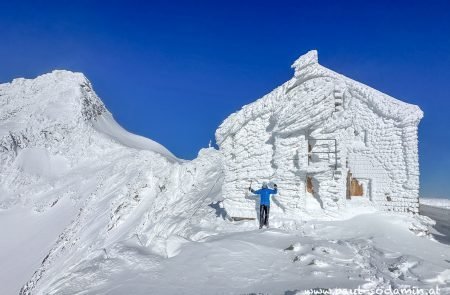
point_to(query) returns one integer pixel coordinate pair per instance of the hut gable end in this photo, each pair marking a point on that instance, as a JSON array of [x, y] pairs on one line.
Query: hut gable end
[[313, 132]]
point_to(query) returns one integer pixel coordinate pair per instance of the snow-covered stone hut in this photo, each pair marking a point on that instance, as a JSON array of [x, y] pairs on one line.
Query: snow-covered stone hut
[[323, 138]]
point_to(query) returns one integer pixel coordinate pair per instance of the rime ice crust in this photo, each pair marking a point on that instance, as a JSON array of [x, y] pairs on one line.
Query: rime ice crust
[[375, 135], [310, 58]]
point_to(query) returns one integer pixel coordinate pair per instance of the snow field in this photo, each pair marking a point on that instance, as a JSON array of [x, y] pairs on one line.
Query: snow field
[[239, 259]]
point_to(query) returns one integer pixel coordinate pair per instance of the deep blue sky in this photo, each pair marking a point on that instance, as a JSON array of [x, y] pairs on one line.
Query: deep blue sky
[[173, 71]]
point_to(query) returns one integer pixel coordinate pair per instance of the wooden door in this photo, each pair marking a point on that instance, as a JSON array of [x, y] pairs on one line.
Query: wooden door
[[354, 188], [309, 185]]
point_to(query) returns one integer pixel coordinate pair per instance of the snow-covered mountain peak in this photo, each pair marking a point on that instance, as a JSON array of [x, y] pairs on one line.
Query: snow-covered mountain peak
[[53, 126], [54, 76], [58, 111], [59, 97], [62, 153]]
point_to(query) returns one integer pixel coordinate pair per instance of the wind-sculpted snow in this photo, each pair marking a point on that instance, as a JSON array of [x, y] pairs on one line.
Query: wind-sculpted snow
[[156, 200]]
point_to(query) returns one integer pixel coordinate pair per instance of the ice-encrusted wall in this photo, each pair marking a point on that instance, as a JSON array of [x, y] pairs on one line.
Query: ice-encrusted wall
[[323, 128]]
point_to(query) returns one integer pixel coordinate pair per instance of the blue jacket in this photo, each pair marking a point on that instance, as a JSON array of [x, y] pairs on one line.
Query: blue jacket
[[265, 195]]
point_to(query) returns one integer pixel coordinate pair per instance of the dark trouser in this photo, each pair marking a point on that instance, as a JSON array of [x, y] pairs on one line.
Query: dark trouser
[[264, 215]]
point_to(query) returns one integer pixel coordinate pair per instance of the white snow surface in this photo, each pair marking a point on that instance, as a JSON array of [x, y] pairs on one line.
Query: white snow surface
[[88, 208], [107, 125], [436, 202]]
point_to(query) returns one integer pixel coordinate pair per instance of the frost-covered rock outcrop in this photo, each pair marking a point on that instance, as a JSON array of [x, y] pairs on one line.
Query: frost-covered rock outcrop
[[323, 138], [62, 151]]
